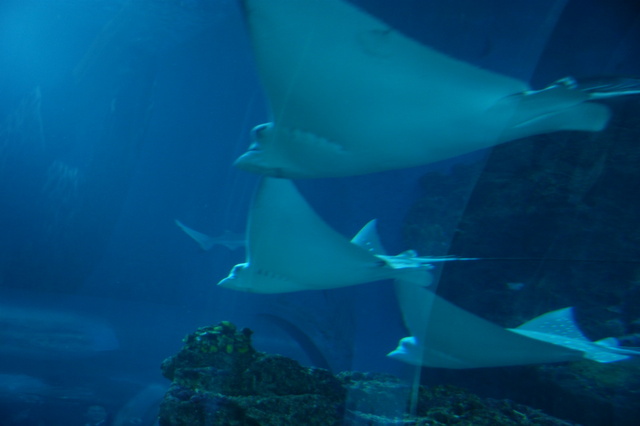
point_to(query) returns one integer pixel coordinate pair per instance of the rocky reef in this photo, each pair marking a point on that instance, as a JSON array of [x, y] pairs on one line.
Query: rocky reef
[[219, 379]]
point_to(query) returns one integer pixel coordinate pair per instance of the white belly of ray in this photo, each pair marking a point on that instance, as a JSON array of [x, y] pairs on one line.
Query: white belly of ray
[[290, 248], [349, 95]]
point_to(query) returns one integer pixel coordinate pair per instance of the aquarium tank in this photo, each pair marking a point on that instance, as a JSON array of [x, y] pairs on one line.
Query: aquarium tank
[[319, 212]]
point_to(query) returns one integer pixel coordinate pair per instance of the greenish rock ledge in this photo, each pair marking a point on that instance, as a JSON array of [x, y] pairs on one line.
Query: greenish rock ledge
[[219, 379]]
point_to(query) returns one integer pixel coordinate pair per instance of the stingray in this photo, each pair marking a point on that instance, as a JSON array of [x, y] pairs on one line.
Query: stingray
[[446, 336], [227, 239], [290, 248], [350, 95]]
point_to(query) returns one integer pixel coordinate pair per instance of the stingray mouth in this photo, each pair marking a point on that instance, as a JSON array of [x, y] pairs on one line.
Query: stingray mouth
[[406, 351], [252, 161], [254, 147], [227, 282], [261, 132], [234, 280]]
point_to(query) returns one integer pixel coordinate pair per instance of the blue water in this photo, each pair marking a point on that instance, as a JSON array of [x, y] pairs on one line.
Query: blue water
[[124, 116]]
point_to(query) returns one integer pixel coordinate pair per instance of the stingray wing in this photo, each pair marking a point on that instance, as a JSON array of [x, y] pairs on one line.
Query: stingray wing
[[350, 95], [288, 239], [449, 337], [326, 61]]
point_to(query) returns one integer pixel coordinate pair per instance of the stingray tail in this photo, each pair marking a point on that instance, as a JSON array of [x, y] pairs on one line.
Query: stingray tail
[[410, 269], [602, 87]]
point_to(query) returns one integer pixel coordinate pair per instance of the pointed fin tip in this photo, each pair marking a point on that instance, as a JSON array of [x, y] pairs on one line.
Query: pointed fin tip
[[368, 238], [559, 323]]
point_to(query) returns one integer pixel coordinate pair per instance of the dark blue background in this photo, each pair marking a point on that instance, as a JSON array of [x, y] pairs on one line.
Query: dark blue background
[[144, 276]]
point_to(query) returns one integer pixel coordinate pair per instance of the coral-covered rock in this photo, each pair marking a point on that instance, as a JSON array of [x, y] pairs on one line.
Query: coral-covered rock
[[219, 379], [213, 359]]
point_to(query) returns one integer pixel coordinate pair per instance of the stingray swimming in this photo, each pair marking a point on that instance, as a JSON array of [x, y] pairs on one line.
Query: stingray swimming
[[349, 95], [446, 336], [290, 248]]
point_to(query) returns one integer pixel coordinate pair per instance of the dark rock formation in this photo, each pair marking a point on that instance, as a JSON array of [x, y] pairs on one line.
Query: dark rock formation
[[219, 379]]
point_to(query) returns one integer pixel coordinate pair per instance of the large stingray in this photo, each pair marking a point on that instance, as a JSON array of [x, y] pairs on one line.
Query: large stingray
[[349, 95], [290, 248], [446, 336]]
